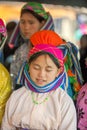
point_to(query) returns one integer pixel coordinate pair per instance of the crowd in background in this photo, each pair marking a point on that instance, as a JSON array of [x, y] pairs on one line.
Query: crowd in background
[[40, 72]]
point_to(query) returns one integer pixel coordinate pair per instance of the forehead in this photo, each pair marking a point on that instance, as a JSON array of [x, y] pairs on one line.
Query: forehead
[[27, 15], [43, 60]]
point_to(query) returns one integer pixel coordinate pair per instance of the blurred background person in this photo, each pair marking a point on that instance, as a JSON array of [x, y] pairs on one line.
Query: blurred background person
[[10, 26], [83, 56]]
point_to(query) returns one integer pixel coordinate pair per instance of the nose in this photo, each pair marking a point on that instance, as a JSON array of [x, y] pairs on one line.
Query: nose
[[26, 26], [42, 73]]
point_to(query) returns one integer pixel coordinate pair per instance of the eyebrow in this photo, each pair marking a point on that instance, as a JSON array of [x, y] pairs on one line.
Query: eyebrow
[[46, 66]]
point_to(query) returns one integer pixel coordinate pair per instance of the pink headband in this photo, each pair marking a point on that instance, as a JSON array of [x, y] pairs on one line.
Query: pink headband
[[55, 51]]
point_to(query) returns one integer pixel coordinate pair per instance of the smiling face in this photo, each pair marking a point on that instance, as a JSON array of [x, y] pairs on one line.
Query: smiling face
[[43, 70], [29, 24]]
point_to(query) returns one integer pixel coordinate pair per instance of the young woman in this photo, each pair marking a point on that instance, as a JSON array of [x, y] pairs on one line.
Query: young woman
[[33, 18], [41, 96], [41, 104], [73, 80]]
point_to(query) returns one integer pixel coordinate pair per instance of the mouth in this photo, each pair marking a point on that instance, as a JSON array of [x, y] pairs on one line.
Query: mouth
[[26, 32], [40, 81]]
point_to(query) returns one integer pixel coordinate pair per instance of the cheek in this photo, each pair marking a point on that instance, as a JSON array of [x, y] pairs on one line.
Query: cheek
[[36, 27], [21, 27], [32, 72], [52, 75]]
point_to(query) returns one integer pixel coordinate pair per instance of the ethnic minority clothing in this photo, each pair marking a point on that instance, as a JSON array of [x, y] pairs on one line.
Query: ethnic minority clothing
[[23, 77], [58, 112]]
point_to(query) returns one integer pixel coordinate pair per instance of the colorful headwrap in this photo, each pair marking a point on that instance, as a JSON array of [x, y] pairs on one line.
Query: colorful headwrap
[[3, 33], [46, 37], [24, 78], [37, 8], [70, 53], [72, 66], [53, 50]]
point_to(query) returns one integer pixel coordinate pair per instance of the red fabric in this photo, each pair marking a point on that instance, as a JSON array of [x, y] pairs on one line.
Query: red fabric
[[46, 37]]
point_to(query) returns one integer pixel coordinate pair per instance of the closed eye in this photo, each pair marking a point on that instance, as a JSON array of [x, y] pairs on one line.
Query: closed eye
[[37, 67], [49, 69]]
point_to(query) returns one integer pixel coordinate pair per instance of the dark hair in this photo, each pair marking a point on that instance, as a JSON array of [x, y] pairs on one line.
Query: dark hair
[[83, 39], [39, 18], [11, 25], [35, 56]]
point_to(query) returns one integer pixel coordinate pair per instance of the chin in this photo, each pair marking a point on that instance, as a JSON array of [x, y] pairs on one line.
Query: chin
[[27, 37], [40, 85]]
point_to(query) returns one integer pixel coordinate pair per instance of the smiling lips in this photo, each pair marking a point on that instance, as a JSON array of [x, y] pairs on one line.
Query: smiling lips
[[40, 81]]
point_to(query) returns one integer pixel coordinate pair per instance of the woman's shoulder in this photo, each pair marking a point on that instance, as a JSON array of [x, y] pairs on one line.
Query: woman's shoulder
[[63, 96], [19, 91], [18, 94], [82, 93], [22, 47], [65, 101], [17, 97], [83, 89]]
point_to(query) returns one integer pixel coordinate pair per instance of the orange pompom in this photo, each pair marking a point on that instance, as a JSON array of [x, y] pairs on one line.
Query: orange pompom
[[46, 37]]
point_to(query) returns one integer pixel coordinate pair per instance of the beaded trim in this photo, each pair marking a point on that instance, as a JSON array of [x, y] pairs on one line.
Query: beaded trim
[[36, 102]]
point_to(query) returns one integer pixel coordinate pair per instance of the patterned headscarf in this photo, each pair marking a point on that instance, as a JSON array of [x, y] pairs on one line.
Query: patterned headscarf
[[3, 33], [37, 8], [24, 78], [49, 25]]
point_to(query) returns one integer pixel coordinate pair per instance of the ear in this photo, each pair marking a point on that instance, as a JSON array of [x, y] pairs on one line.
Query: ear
[[42, 23], [58, 72]]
